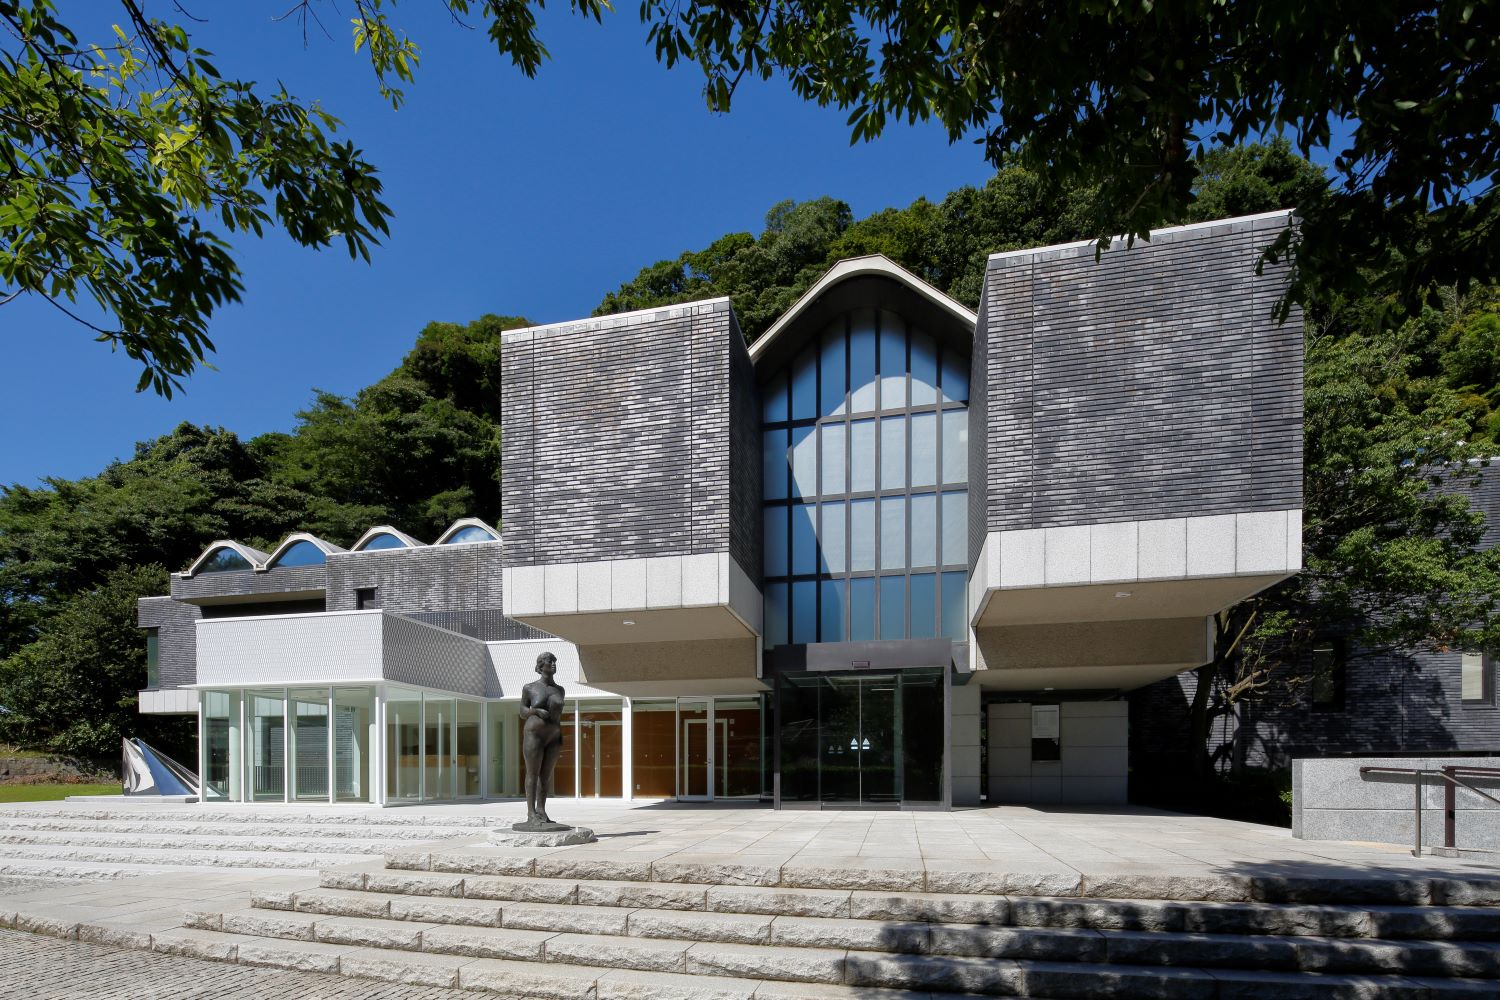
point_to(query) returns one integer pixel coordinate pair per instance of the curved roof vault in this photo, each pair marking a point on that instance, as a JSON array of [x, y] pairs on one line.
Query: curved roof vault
[[385, 529], [255, 557], [300, 536], [461, 524], [874, 280]]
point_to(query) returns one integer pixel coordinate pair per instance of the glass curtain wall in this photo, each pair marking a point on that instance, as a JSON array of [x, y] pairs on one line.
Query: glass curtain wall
[[506, 767], [222, 764], [653, 748], [353, 735], [865, 450], [862, 740], [467, 758], [438, 751], [267, 747], [403, 745], [309, 744]]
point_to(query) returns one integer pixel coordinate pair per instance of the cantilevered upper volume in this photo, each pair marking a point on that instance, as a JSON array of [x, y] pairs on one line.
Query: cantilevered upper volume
[[1137, 461]]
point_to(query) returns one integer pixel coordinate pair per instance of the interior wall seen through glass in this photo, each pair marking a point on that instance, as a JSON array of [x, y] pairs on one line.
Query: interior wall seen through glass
[[865, 475]]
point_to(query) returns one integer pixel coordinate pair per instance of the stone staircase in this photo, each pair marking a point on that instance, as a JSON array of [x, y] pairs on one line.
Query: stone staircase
[[121, 841], [551, 926]]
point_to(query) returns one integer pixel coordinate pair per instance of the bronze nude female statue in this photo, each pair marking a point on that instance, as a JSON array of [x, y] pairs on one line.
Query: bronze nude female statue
[[541, 740]]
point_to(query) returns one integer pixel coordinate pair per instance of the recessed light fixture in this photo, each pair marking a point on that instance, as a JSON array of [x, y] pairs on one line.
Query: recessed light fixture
[[1049, 689], [627, 622], [1122, 593]]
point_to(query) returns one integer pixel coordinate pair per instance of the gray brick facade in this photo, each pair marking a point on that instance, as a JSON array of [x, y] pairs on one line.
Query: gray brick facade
[[618, 440], [177, 638], [245, 582], [1154, 382]]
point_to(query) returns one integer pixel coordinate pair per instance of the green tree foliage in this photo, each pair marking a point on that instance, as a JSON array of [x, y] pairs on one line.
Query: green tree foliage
[[124, 161], [72, 691]]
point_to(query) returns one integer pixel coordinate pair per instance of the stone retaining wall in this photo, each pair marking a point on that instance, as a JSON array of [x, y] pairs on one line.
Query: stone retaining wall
[[1331, 800]]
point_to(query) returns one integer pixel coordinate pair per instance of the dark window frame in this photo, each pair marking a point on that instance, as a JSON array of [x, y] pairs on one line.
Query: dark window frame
[[366, 598], [1331, 699], [1486, 697]]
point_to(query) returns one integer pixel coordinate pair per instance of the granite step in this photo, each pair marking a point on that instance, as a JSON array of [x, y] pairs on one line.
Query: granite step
[[1196, 916], [274, 815], [149, 857], [583, 965], [394, 835], [267, 841], [1372, 889], [785, 935]]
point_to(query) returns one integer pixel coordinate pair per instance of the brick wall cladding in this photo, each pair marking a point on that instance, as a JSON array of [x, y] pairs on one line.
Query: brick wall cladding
[[618, 438], [1152, 383], [177, 638], [233, 583]]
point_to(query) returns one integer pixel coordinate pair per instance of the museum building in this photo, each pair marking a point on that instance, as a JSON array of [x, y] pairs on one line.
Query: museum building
[[893, 554]]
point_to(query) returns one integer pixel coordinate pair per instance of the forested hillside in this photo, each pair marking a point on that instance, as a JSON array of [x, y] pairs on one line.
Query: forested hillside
[[421, 447]]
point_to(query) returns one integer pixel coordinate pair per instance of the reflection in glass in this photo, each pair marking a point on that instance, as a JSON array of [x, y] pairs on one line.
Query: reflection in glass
[[565, 776], [805, 385], [831, 376], [301, 553], [601, 748], [924, 370], [740, 753], [923, 530], [835, 550], [653, 748], [383, 540], [955, 446], [692, 747], [892, 362], [403, 745], [804, 611], [466, 748], [955, 378], [776, 614], [862, 361], [309, 734], [861, 535], [804, 539], [224, 560], [804, 462], [831, 628], [924, 452], [862, 609], [776, 540], [221, 745], [439, 750], [923, 605], [774, 400], [506, 768], [955, 529], [267, 747], [862, 456], [893, 607], [832, 462], [353, 763], [892, 453], [774, 467], [955, 607], [893, 533]]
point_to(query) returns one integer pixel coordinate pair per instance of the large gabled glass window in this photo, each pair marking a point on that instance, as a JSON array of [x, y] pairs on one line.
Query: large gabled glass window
[[471, 533], [865, 478]]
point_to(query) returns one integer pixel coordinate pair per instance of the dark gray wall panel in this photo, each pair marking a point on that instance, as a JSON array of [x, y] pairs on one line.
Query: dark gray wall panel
[[177, 638], [1154, 382], [745, 520], [438, 578], [235, 583], [618, 440]]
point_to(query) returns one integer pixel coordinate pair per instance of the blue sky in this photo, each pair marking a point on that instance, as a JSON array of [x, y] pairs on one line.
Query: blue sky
[[512, 196]]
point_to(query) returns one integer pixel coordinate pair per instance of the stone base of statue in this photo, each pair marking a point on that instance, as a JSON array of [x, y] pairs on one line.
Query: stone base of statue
[[534, 833]]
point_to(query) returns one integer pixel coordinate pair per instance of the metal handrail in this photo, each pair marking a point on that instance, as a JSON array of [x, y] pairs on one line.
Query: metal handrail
[[1449, 774]]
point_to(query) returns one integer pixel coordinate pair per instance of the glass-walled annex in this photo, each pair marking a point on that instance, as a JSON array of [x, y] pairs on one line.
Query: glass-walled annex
[[394, 745]]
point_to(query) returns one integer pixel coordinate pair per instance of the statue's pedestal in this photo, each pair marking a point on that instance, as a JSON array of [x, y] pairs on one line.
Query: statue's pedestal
[[541, 835]]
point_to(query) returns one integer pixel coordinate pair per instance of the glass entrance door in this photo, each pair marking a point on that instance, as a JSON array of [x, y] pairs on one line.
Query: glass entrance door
[[694, 750], [856, 740]]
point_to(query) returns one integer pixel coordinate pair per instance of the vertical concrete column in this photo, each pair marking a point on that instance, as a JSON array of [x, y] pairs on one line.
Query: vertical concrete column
[[964, 753], [627, 758]]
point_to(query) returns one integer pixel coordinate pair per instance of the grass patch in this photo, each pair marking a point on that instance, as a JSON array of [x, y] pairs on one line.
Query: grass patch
[[53, 793]]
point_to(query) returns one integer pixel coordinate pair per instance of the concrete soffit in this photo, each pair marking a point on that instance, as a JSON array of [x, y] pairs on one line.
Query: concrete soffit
[[1131, 570], [874, 265]]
